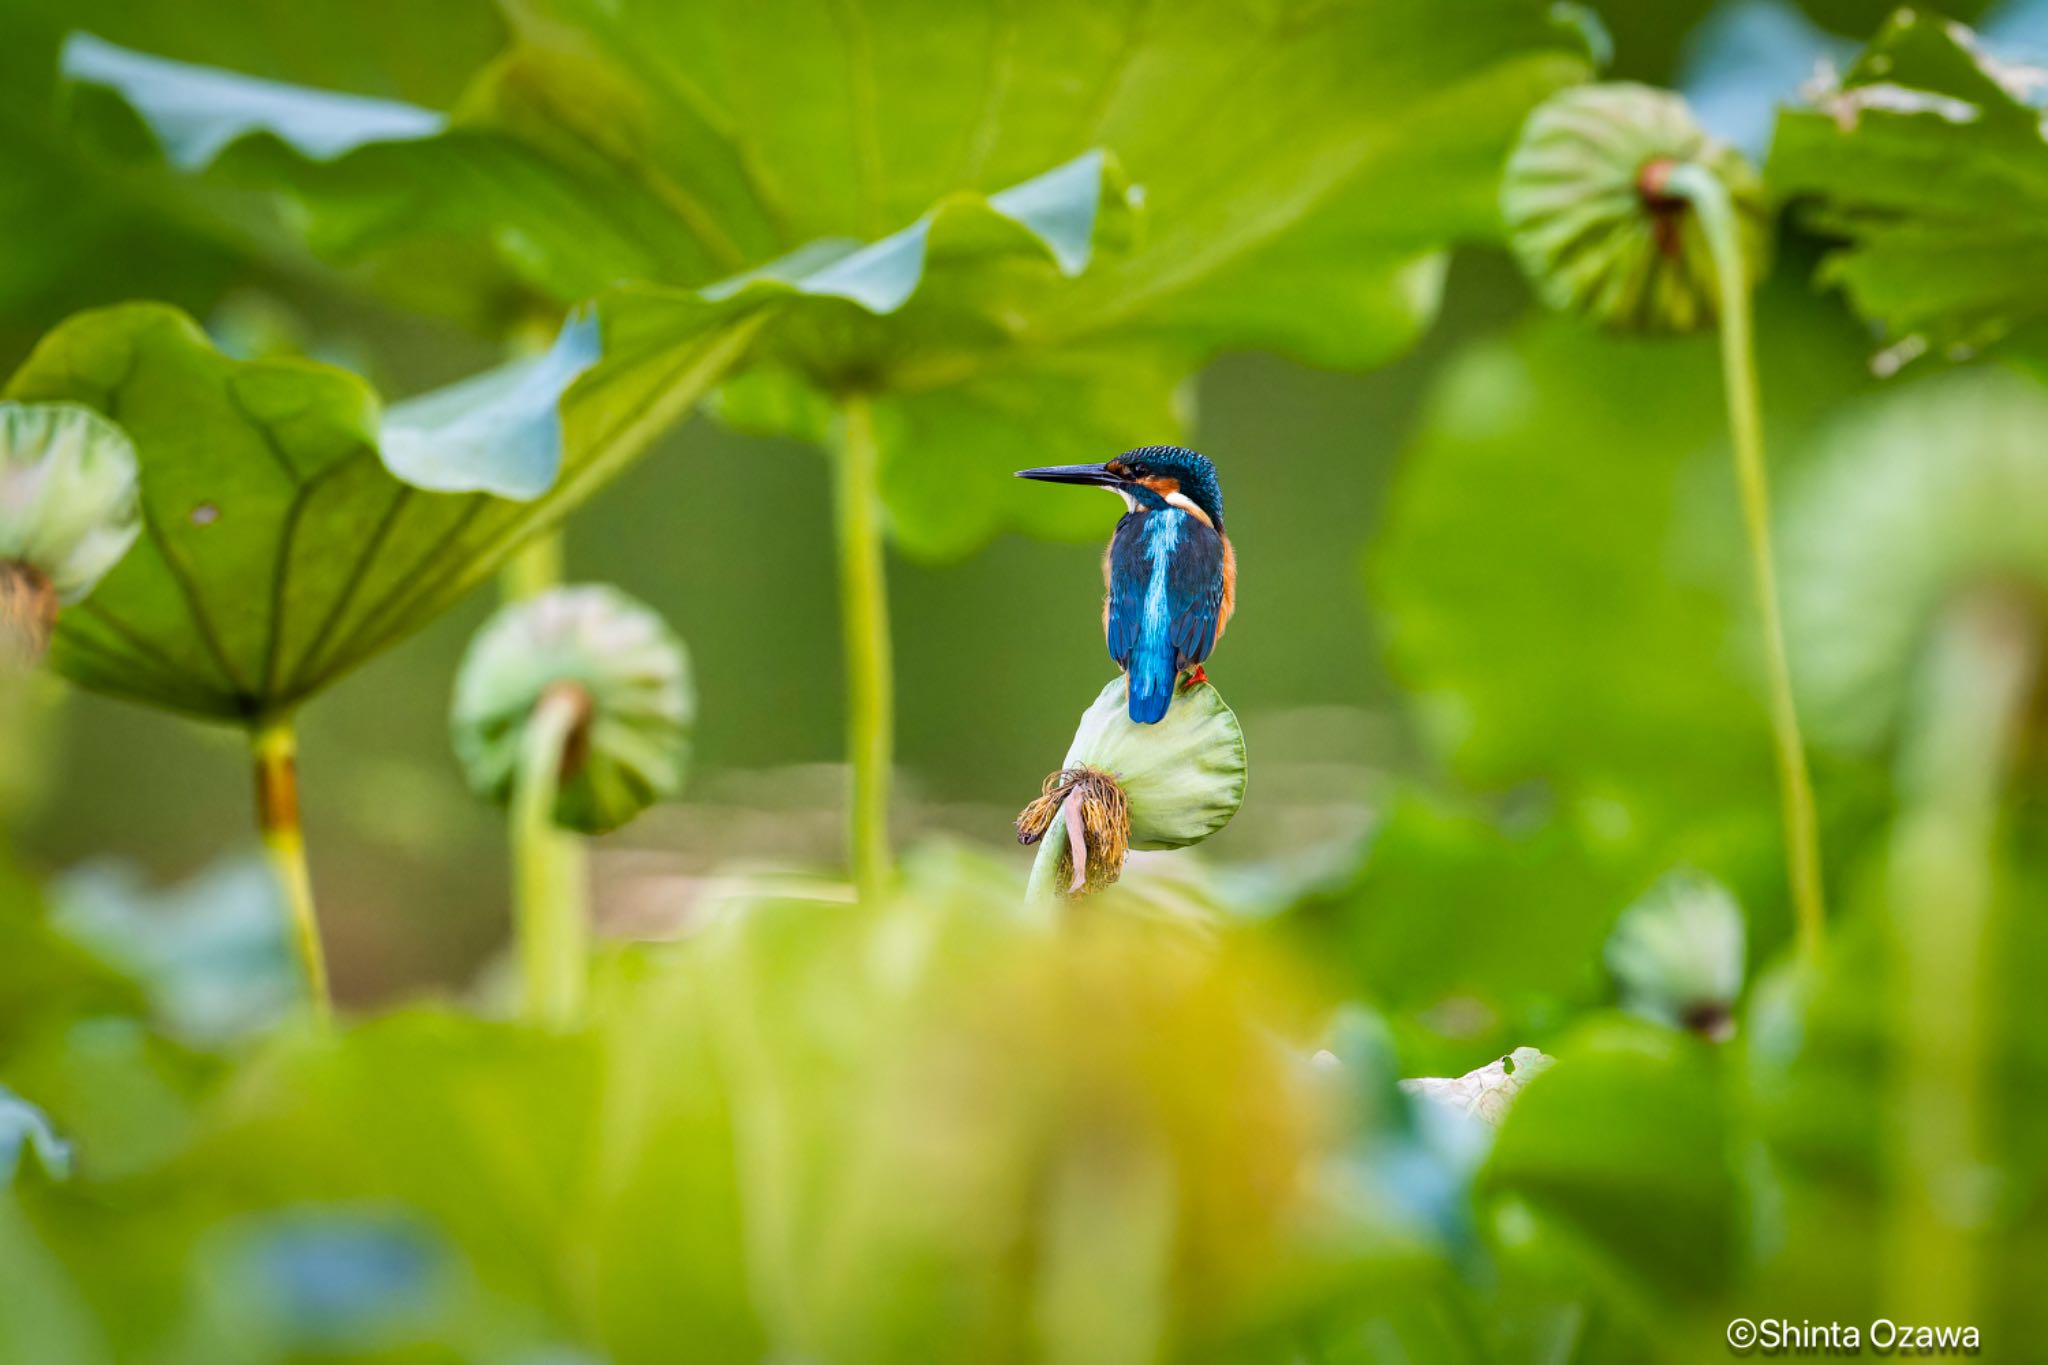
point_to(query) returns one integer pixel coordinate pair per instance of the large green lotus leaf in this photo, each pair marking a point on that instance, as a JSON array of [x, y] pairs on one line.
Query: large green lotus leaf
[[1302, 167], [282, 546], [420, 212], [1927, 160], [78, 232]]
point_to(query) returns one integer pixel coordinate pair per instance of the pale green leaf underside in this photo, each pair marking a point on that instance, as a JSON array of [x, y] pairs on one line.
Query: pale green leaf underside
[[279, 550], [1302, 166], [1936, 174]]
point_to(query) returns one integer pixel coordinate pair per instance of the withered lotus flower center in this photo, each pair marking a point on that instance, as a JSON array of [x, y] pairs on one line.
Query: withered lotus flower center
[[1098, 825]]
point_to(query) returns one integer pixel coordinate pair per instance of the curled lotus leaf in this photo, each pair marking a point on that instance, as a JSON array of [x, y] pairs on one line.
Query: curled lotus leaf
[[1183, 777], [282, 543]]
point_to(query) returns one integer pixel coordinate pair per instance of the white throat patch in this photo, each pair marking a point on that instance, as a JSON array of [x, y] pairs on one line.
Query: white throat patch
[[1188, 505]]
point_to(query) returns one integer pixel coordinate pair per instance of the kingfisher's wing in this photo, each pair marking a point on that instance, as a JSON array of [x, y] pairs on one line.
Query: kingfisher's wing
[[1194, 595], [1129, 571], [1194, 592]]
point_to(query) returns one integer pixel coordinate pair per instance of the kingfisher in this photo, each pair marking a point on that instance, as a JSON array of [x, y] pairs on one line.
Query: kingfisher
[[1170, 572]]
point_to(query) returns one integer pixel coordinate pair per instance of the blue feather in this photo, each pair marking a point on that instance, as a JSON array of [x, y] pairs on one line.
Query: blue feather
[[1154, 665], [1165, 595]]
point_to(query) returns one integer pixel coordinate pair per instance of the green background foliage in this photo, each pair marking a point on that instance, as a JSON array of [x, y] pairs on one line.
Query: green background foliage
[[1493, 660]]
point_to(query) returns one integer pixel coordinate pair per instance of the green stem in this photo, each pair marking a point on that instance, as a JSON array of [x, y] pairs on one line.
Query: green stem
[[550, 865], [532, 569], [1942, 893], [275, 747], [864, 611], [1043, 888], [1717, 220], [553, 926]]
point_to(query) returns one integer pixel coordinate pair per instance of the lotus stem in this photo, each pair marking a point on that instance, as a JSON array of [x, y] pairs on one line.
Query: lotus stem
[[547, 860], [533, 568], [1044, 886], [1940, 883], [275, 747], [1710, 200], [864, 611], [549, 866]]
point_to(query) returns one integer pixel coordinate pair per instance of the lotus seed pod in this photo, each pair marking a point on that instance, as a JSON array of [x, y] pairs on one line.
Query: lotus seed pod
[[1598, 224], [630, 671], [1677, 955], [70, 507], [1184, 776], [1127, 786]]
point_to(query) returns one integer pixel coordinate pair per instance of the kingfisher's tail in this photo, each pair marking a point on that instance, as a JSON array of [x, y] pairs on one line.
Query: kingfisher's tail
[[1152, 679]]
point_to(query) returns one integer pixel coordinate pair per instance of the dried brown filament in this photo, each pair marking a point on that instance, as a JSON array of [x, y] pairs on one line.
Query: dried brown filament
[[1098, 824]]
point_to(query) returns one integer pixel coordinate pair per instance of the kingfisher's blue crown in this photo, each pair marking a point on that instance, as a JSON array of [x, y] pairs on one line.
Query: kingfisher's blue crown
[[1192, 468]]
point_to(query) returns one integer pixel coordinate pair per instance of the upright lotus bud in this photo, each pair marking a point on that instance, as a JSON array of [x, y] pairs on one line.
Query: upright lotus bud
[[1677, 955], [70, 506], [613, 672], [1598, 213], [1127, 786]]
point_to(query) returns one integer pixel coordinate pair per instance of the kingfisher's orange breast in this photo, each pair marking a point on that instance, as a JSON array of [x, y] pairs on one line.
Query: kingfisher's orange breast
[[1229, 604]]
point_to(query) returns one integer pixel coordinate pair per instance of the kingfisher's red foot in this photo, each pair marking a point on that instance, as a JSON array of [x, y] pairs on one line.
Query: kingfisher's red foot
[[1194, 677]]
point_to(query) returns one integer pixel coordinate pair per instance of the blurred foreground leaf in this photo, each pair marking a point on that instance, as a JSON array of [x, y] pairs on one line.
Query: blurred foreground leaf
[[1917, 499], [212, 954], [47, 978], [932, 1130], [1302, 169], [1629, 1144]]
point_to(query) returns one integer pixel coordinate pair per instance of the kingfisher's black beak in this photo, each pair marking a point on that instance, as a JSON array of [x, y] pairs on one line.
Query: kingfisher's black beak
[[1094, 475]]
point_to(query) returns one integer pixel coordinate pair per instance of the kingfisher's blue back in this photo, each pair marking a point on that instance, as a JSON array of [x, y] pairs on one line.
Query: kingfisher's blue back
[[1167, 573]]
